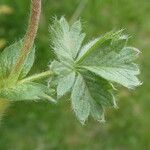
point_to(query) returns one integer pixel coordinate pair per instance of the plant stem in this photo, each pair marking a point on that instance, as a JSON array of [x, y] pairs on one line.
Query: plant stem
[[29, 37], [37, 76], [78, 11]]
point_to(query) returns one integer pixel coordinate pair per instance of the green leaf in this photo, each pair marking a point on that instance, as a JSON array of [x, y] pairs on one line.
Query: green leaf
[[99, 89], [66, 40], [65, 84], [80, 100], [90, 94], [25, 91], [60, 68], [19, 91], [97, 65], [63, 80], [114, 64], [88, 48], [9, 57], [97, 111], [28, 63]]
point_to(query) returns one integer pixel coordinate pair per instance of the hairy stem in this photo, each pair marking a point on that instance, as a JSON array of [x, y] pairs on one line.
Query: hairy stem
[[29, 37], [37, 76]]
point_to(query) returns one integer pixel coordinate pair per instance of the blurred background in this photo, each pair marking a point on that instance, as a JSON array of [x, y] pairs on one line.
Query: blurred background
[[44, 126]]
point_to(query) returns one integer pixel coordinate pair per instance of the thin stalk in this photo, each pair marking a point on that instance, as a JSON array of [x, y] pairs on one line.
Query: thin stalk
[[29, 37], [78, 11], [37, 77]]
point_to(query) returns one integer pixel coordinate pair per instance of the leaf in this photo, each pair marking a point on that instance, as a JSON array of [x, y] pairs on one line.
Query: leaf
[[114, 64], [86, 47], [25, 91], [89, 47], [60, 68], [97, 111], [80, 100], [97, 65], [125, 76], [28, 63], [100, 92], [90, 94], [64, 78], [9, 57], [19, 91], [99, 89], [66, 40], [65, 84]]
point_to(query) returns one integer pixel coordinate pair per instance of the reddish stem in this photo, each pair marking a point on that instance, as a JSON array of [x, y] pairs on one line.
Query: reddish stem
[[29, 37]]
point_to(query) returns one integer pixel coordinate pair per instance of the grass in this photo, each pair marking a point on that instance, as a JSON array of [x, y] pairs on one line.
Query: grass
[[43, 126]]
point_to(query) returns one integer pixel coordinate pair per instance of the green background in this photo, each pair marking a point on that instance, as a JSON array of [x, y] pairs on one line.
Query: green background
[[44, 126]]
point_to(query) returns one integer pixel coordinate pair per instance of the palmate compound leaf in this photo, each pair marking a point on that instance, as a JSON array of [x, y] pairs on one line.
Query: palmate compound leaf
[[87, 71], [19, 91]]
